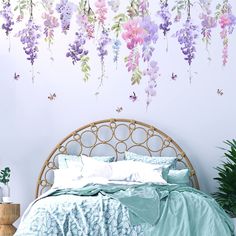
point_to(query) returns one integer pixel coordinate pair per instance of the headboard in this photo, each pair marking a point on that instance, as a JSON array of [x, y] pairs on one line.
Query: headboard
[[114, 137]]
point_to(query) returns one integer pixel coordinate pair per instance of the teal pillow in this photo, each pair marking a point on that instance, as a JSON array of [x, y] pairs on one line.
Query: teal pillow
[[181, 177], [165, 161], [65, 161]]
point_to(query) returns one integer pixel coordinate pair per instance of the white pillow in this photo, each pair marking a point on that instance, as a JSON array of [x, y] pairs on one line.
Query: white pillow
[[65, 177], [94, 168], [130, 171], [136, 171]]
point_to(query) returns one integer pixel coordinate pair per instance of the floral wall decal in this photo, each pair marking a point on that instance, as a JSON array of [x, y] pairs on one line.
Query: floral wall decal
[[136, 26]]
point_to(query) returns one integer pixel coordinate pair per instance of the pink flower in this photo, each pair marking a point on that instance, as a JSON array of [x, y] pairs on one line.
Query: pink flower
[[134, 34], [84, 23], [224, 21], [101, 10]]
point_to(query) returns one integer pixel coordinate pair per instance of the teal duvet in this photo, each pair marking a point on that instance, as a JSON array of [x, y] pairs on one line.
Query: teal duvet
[[121, 210]]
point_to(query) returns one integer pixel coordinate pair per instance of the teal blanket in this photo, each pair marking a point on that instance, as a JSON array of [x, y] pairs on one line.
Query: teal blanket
[[146, 210]]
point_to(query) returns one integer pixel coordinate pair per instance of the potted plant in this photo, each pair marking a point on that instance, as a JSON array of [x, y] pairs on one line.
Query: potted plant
[[226, 194], [4, 179]]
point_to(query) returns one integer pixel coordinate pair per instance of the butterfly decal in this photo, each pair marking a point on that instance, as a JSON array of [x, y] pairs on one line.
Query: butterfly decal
[[16, 76], [52, 97], [119, 109], [173, 76], [220, 92], [133, 97]]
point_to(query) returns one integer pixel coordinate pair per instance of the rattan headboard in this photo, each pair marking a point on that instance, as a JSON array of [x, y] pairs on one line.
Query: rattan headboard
[[114, 137]]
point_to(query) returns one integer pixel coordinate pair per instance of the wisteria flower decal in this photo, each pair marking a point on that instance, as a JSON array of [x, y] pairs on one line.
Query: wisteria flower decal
[[7, 14], [101, 11], [66, 10], [153, 73], [104, 39], [187, 39], [165, 16], [117, 28], [227, 23], [208, 22], [78, 53], [29, 38], [133, 35], [50, 21], [114, 27], [150, 38]]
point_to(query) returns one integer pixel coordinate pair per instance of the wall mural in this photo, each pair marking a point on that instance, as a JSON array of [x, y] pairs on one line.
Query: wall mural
[[137, 28]]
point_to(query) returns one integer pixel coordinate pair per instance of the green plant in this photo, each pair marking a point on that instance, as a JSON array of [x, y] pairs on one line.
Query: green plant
[[5, 175], [226, 194]]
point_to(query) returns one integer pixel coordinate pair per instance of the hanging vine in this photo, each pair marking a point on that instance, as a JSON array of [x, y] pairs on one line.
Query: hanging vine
[[139, 25], [29, 38]]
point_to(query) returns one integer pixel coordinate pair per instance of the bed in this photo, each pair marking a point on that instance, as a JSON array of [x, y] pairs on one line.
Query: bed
[[140, 206]]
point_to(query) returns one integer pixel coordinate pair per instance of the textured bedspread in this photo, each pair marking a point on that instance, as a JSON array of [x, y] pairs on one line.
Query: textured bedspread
[[121, 210]]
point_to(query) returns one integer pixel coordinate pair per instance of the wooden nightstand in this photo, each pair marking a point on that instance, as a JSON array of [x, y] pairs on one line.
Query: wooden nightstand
[[9, 213]]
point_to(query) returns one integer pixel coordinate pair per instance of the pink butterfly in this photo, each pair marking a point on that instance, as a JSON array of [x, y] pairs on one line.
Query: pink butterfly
[[133, 97]]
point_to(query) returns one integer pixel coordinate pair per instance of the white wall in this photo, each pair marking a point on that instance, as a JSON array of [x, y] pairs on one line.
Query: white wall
[[194, 115]]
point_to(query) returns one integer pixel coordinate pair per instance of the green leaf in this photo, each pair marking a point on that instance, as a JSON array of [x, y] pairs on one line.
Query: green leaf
[[226, 194], [136, 77]]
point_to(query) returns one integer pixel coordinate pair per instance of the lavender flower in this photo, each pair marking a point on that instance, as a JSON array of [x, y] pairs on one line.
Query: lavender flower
[[102, 43], [29, 37], [152, 73], [50, 23], [208, 22], [76, 50], [150, 37], [186, 37], [165, 15], [143, 7], [151, 29], [147, 52], [8, 16], [66, 10]]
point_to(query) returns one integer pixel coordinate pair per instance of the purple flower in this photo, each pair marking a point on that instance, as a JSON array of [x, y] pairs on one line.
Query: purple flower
[[186, 37], [151, 29], [147, 52], [102, 44], [165, 16], [29, 38], [8, 16], [152, 73], [66, 10], [150, 37], [76, 50], [143, 7], [50, 23], [208, 22]]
